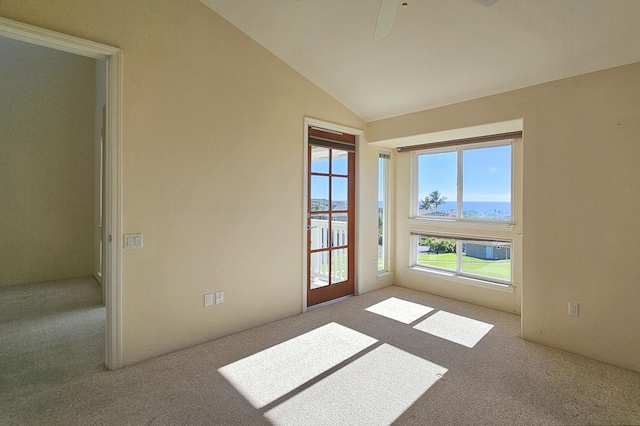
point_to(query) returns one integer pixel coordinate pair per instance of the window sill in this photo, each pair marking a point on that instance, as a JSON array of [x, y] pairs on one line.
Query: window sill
[[450, 276], [455, 223]]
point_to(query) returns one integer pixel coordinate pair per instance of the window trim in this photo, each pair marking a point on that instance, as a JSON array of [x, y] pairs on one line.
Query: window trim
[[469, 228], [464, 141], [447, 276], [386, 221]]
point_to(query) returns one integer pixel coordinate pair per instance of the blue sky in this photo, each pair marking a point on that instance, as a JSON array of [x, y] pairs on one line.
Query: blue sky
[[486, 174], [320, 184], [381, 180], [320, 188], [486, 177]]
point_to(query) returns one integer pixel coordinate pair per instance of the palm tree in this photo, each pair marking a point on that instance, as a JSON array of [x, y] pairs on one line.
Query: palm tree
[[317, 206], [437, 198], [426, 203]]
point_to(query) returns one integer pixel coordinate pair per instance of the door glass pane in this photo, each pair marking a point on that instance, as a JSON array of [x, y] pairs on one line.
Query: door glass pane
[[339, 162], [319, 231], [434, 252], [319, 193], [486, 183], [319, 205], [339, 230], [486, 259], [339, 198], [438, 185], [319, 159], [339, 266], [319, 269]]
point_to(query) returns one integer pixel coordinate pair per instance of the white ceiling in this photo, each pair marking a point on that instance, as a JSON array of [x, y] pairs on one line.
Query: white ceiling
[[440, 51]]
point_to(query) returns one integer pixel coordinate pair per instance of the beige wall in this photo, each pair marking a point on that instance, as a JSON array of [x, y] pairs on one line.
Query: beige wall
[[580, 202], [212, 168], [46, 164]]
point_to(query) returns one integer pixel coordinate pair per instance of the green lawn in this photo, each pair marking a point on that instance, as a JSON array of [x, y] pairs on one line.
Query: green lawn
[[500, 269]]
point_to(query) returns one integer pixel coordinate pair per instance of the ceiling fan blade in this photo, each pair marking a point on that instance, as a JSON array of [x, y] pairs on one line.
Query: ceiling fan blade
[[386, 14], [487, 3]]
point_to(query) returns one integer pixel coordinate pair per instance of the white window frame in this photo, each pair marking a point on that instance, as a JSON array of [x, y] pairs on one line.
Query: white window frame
[[460, 228], [459, 149], [459, 273], [386, 221]]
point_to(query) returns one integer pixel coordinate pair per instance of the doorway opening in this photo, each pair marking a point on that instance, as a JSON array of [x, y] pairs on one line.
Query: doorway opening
[[102, 152]]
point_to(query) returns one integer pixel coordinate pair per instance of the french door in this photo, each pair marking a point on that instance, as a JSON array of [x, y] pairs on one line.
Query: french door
[[331, 215]]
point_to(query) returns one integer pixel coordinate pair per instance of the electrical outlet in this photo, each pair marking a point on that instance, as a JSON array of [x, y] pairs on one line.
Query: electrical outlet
[[573, 309], [219, 297], [208, 299]]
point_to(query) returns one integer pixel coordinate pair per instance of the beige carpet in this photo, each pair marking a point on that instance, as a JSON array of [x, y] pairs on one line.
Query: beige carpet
[[51, 333], [391, 356]]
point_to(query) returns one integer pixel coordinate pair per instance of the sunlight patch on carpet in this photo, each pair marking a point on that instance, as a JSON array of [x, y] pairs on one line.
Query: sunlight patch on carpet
[[372, 390], [455, 328], [400, 310], [268, 375]]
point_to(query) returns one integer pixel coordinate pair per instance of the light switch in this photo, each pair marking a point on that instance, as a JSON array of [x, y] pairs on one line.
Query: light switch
[[208, 299], [132, 241]]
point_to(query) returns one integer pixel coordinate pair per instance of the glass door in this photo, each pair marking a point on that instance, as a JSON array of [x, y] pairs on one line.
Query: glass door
[[330, 219]]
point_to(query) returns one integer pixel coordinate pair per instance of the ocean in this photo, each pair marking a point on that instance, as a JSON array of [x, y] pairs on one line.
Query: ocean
[[482, 207], [479, 206]]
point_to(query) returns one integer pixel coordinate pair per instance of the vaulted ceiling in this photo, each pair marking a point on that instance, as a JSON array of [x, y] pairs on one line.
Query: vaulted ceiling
[[439, 51]]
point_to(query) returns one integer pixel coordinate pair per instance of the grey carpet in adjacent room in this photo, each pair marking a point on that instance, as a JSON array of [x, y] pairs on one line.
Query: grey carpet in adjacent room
[[390, 356]]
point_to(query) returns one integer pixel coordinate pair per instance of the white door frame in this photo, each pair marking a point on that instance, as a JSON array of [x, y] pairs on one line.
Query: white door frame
[[312, 122], [113, 213]]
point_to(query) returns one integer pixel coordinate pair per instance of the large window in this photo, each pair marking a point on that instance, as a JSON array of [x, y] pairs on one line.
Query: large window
[[463, 222], [466, 182]]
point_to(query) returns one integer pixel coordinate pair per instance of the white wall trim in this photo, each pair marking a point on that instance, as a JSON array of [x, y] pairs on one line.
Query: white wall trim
[[358, 133], [113, 218], [113, 211], [449, 276]]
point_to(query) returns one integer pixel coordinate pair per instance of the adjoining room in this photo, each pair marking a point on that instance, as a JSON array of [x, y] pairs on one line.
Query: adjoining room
[[52, 316]]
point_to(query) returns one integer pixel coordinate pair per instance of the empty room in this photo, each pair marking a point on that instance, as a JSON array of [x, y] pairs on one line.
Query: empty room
[[319, 212]]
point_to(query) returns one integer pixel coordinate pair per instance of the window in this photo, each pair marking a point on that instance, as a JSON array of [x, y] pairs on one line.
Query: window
[[463, 224], [478, 259], [383, 212], [490, 260], [435, 252], [467, 182]]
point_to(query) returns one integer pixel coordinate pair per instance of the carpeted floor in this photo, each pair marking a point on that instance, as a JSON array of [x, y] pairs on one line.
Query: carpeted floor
[[51, 333], [390, 356]]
